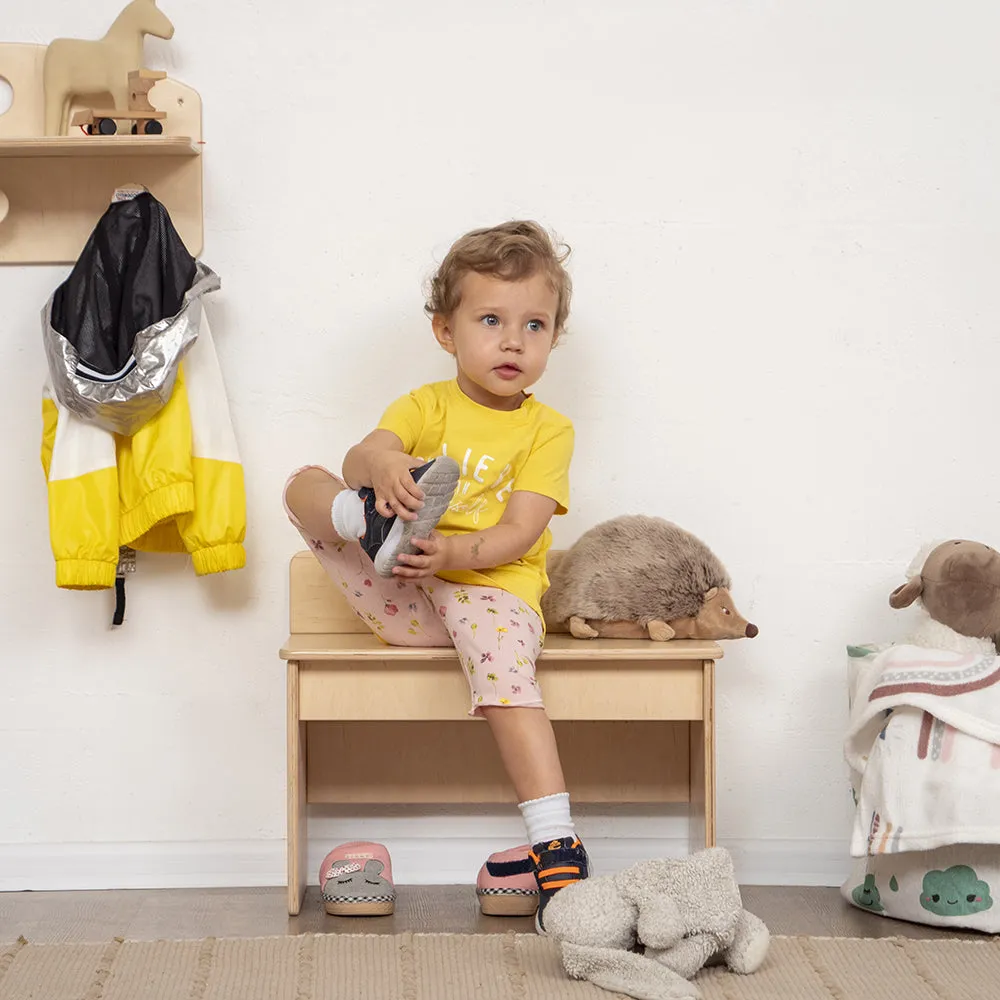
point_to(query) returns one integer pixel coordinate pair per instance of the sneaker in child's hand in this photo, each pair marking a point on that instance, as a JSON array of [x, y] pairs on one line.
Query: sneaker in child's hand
[[386, 538]]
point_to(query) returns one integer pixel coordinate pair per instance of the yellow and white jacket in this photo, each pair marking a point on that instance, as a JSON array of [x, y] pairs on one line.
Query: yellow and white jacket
[[175, 485]]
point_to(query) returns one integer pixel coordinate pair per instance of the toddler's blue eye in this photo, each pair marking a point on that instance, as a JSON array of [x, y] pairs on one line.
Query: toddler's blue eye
[[490, 320], [535, 325]]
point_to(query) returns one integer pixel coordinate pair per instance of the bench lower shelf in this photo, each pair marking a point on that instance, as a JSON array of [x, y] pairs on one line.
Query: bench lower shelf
[[442, 762]]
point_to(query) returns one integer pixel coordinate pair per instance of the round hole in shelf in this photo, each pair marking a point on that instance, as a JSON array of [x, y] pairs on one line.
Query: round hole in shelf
[[6, 95], [4, 206]]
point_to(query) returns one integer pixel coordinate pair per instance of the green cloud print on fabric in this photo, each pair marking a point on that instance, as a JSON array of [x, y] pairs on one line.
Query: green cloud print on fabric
[[955, 892], [860, 652], [867, 895]]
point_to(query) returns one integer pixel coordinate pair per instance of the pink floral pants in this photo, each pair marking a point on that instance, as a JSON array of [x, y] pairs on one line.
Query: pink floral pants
[[497, 636]]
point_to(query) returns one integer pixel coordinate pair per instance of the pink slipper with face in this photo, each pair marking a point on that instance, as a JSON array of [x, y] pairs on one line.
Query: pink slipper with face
[[356, 880]]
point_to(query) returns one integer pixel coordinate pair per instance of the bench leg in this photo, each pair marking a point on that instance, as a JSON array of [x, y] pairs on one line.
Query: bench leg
[[296, 763], [702, 765]]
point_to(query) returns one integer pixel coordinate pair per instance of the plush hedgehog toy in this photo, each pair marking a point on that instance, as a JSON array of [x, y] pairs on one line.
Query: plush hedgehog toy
[[635, 577]]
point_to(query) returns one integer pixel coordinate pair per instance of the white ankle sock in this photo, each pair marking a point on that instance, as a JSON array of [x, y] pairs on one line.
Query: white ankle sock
[[547, 818], [348, 515]]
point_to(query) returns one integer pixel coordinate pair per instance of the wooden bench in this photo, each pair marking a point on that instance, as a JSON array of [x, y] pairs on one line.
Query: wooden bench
[[635, 719]]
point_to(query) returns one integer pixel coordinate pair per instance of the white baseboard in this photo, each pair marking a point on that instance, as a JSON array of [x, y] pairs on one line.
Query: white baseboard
[[790, 862], [769, 862], [166, 865], [426, 860]]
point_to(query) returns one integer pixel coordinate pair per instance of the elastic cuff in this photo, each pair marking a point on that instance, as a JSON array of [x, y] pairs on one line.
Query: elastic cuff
[[85, 574], [544, 798], [165, 502], [476, 712], [219, 558]]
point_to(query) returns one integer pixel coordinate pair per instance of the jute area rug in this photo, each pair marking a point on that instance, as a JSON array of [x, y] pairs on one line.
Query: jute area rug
[[472, 967]]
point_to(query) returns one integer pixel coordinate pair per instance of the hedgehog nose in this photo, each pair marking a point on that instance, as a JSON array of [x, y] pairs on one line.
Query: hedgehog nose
[[752, 630]]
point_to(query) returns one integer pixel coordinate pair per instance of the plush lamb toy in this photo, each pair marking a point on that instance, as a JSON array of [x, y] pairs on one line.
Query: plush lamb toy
[[636, 576], [685, 912], [957, 584]]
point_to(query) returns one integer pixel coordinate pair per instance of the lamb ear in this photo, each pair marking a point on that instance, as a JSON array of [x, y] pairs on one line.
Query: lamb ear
[[904, 596], [709, 594]]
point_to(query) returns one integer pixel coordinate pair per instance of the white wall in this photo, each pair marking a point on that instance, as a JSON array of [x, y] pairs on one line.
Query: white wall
[[786, 224]]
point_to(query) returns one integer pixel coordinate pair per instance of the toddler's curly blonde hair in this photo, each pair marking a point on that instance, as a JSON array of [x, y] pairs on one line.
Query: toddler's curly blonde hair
[[511, 251]]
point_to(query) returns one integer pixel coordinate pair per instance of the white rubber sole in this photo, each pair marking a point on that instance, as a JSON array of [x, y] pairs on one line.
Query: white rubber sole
[[438, 484]]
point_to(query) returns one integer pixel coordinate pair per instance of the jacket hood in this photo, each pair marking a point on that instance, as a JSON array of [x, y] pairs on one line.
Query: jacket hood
[[117, 327]]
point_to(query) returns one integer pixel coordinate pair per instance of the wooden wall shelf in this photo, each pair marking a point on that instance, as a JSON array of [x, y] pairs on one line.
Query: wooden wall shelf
[[59, 186], [123, 145]]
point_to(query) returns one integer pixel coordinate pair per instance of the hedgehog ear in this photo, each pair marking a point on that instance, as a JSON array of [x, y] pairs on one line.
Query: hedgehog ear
[[709, 594]]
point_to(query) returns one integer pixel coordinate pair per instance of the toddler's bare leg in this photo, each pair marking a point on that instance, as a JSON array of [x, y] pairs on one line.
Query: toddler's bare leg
[[309, 497], [528, 750], [498, 639]]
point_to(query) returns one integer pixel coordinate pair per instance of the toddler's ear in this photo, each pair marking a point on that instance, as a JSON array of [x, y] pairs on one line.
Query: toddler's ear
[[442, 332]]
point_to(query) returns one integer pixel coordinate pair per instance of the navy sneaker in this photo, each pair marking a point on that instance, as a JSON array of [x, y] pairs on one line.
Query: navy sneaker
[[558, 863], [387, 537]]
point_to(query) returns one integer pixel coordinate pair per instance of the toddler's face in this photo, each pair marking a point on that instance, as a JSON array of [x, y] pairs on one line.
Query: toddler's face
[[501, 335]]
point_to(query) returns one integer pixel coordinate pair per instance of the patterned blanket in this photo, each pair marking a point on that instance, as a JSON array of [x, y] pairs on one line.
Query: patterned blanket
[[923, 744]]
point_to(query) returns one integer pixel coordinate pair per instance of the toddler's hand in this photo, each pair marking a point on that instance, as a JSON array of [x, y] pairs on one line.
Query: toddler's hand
[[433, 558], [395, 490]]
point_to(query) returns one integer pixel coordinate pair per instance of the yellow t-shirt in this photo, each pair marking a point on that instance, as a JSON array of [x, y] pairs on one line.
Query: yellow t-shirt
[[498, 452]]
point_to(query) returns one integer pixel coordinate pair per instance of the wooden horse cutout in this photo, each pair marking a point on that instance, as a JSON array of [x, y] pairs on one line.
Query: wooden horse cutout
[[77, 67]]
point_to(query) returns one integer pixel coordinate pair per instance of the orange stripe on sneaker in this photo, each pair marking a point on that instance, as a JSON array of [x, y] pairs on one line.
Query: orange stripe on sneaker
[[568, 870], [561, 884]]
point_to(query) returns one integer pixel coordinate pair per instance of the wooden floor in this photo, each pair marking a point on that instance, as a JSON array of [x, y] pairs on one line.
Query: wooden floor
[[196, 913]]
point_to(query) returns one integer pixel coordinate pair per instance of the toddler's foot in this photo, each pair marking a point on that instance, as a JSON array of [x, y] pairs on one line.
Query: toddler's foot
[[387, 537], [558, 863]]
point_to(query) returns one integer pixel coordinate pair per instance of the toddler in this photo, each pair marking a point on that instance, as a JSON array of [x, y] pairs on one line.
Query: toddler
[[443, 511]]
